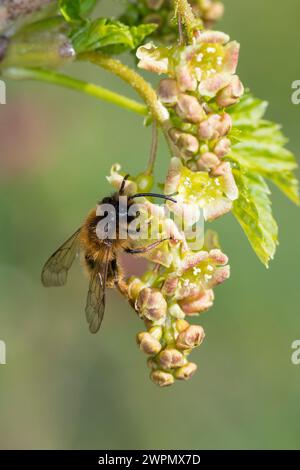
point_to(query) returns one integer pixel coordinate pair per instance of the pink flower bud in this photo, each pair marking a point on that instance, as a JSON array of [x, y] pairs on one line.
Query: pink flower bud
[[231, 93], [151, 304], [225, 124], [214, 12], [187, 143], [171, 358], [161, 378], [189, 108], [190, 338], [135, 285], [148, 344], [210, 129], [207, 161], [170, 285], [199, 304], [186, 372], [223, 147], [168, 91]]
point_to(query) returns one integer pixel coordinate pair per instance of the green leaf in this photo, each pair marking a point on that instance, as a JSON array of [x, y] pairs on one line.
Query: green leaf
[[248, 111], [259, 146], [287, 183], [254, 213], [75, 10], [110, 36]]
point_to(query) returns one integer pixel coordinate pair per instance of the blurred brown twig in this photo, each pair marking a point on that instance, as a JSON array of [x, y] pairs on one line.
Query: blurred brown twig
[[12, 11]]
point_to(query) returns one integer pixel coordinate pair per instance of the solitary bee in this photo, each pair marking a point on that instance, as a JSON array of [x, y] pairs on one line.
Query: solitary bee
[[100, 254]]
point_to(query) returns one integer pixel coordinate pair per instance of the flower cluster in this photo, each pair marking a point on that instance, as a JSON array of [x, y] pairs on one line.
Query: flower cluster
[[202, 84], [165, 297], [161, 13], [179, 284]]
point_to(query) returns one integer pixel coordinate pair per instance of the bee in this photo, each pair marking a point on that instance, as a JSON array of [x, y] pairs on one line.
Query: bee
[[101, 256]]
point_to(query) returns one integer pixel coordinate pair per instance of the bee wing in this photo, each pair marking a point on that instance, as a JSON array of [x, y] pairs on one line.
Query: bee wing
[[55, 271], [95, 305]]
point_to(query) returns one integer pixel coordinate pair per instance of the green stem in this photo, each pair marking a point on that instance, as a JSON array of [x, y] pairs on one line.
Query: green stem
[[153, 151], [75, 84], [143, 88]]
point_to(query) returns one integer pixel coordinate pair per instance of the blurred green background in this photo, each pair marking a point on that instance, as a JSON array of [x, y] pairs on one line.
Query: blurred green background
[[64, 388]]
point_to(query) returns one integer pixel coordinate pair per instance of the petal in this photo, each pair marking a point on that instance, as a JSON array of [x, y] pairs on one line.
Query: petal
[[212, 85], [173, 176], [231, 57], [150, 58], [212, 37], [216, 209]]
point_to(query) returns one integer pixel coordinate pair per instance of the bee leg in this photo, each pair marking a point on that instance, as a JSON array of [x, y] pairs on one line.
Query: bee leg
[[146, 248]]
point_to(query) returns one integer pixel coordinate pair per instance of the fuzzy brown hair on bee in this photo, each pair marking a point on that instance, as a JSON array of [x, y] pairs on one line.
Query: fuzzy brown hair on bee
[[101, 252]]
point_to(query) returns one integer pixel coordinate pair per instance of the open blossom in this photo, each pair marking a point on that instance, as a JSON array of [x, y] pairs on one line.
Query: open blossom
[[214, 195], [201, 84]]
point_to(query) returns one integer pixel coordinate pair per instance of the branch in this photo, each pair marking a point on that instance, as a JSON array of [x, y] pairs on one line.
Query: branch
[[75, 84], [143, 88], [15, 11]]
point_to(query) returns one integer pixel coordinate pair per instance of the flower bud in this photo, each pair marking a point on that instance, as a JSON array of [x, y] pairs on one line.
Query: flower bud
[[168, 91], [171, 358], [225, 124], [170, 284], [135, 285], [151, 304], [148, 344], [199, 304], [207, 161], [190, 338], [156, 332], [223, 147], [189, 108], [161, 378], [186, 372], [187, 143], [214, 12], [231, 93], [208, 129]]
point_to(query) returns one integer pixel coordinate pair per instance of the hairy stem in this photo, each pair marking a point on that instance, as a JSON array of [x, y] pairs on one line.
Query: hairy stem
[[153, 151], [185, 14], [143, 88], [75, 84]]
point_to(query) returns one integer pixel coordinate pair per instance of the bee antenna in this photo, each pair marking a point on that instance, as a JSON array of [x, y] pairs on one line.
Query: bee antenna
[[123, 184], [161, 196]]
